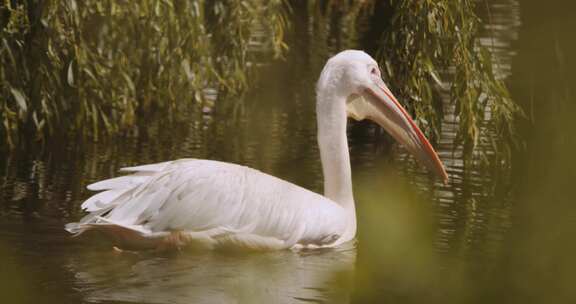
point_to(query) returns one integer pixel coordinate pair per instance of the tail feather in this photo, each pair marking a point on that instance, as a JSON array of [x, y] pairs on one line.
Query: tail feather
[[91, 218], [111, 210]]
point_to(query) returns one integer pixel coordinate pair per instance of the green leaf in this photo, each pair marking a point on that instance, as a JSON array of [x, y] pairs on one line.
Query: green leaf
[[20, 99], [71, 74]]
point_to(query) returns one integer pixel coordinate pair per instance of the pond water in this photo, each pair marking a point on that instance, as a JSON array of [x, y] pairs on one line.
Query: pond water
[[483, 237]]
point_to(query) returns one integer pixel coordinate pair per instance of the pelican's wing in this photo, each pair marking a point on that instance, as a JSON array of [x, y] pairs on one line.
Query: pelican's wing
[[216, 202]]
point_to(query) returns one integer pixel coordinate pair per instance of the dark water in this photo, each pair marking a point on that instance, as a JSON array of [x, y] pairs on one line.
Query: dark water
[[487, 236]]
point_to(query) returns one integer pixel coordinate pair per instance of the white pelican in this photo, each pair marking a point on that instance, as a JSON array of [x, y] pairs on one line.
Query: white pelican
[[213, 204]]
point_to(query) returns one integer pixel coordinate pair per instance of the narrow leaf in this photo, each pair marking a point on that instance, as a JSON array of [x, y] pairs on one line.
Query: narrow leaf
[[71, 74], [20, 99]]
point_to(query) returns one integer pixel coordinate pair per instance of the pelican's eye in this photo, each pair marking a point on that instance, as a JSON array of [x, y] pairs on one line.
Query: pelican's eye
[[374, 71]]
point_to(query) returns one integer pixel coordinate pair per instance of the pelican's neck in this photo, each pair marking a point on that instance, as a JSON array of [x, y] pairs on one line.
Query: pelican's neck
[[333, 144]]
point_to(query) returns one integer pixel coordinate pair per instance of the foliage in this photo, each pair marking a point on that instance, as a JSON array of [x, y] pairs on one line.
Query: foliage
[[430, 50], [96, 67], [99, 66]]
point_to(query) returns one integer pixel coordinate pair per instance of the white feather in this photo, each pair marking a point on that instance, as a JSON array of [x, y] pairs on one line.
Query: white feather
[[101, 200], [122, 182], [147, 168]]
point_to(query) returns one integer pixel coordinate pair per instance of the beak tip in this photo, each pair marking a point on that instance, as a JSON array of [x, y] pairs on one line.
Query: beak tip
[[443, 174]]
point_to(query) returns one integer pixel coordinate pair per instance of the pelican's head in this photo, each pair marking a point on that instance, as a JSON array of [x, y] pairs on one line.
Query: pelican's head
[[353, 77]]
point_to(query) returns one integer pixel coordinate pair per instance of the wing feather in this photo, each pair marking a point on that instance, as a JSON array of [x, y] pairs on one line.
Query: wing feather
[[157, 167], [121, 182], [101, 200]]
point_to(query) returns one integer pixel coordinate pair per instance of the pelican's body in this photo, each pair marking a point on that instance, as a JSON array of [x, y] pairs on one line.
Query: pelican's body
[[213, 204]]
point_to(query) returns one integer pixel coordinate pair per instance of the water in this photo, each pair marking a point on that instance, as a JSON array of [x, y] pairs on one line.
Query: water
[[485, 237]]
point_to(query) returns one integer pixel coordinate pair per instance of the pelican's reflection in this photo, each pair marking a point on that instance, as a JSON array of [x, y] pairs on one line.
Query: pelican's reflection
[[273, 277]]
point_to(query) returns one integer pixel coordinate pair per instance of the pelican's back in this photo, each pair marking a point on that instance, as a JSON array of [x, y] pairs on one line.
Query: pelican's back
[[209, 203]]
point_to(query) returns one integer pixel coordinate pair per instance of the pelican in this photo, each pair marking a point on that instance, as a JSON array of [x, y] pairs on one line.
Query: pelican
[[212, 204]]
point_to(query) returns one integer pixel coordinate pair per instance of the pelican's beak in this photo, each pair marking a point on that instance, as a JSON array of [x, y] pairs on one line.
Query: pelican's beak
[[378, 104]]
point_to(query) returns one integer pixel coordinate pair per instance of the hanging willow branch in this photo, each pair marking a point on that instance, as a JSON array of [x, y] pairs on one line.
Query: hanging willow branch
[[91, 66], [430, 50]]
